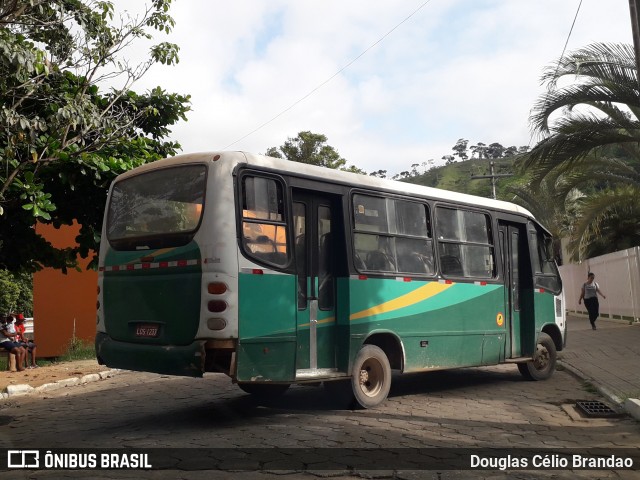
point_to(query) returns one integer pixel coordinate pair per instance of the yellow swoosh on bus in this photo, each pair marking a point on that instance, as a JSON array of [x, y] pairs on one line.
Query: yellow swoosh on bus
[[406, 300]]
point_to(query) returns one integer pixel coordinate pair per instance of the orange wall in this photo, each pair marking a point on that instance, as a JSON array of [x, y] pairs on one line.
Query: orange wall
[[59, 299]]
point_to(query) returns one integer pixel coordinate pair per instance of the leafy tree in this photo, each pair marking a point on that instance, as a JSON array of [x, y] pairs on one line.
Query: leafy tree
[[353, 169], [9, 292], [594, 144], [64, 138], [511, 151], [460, 149], [495, 150], [448, 159], [16, 293], [405, 174], [379, 174], [479, 151], [311, 148]]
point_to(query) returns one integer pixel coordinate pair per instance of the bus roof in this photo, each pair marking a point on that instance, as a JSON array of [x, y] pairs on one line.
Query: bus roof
[[336, 176]]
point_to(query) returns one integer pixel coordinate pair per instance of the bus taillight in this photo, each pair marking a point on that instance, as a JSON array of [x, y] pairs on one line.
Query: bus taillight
[[216, 323], [217, 288], [217, 306]]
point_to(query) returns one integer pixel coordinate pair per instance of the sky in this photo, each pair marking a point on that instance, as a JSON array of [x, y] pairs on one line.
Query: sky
[[257, 71]]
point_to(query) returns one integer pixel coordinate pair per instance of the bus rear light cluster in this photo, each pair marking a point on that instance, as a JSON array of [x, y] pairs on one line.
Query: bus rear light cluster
[[216, 323], [217, 288], [217, 306]]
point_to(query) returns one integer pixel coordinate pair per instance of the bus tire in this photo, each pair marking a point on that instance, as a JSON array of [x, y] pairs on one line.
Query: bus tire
[[264, 390], [371, 376], [544, 360]]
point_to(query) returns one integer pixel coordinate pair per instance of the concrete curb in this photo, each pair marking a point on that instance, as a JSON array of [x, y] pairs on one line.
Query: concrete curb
[[24, 389], [630, 405]]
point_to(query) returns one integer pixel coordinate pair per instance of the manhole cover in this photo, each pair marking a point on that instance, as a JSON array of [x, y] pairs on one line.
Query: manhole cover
[[594, 408]]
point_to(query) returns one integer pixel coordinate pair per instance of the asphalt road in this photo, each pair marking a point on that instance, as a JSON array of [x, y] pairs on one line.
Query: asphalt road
[[205, 423]]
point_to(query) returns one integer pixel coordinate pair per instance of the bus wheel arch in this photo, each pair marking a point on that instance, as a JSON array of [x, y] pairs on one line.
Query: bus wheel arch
[[543, 364], [554, 332], [391, 346]]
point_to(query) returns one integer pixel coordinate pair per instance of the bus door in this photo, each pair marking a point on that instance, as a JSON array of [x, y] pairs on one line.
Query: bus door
[[518, 290], [315, 223]]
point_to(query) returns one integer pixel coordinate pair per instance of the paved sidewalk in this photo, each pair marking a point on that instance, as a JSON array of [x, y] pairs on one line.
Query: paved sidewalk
[[608, 358]]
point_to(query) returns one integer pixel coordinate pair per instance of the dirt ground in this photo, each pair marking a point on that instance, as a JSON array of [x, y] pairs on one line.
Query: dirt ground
[[50, 373]]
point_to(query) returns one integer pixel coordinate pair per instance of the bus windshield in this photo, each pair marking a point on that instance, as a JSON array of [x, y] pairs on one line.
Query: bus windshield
[[156, 209]]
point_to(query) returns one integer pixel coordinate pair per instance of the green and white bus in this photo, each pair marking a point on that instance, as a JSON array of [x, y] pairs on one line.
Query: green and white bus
[[275, 272]]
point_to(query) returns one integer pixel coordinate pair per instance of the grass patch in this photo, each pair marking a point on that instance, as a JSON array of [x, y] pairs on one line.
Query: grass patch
[[78, 349], [589, 387]]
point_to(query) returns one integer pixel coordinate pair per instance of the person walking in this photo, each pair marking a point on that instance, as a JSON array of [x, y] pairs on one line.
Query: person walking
[[590, 291]]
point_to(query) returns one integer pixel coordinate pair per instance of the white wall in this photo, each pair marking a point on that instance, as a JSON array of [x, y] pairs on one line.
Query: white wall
[[617, 275]]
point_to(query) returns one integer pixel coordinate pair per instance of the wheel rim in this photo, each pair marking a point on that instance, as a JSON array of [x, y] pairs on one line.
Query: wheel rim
[[542, 359], [371, 377]]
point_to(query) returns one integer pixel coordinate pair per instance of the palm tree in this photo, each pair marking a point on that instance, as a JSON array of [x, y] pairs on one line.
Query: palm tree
[[542, 200], [590, 131]]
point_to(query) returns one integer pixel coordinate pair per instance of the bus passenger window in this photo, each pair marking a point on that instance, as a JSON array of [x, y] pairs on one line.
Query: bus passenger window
[[392, 236], [414, 248], [264, 232], [465, 243]]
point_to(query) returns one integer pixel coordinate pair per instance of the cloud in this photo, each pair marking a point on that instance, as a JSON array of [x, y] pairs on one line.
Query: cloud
[[465, 68]]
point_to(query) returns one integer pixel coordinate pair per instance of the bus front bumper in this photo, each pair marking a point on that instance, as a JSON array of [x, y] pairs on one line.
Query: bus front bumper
[[181, 360]]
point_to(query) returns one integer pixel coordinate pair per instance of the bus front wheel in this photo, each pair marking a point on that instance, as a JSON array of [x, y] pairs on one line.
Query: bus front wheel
[[544, 359], [371, 376]]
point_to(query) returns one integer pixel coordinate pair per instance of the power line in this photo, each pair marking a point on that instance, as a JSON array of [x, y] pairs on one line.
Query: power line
[[564, 49], [331, 77], [568, 37]]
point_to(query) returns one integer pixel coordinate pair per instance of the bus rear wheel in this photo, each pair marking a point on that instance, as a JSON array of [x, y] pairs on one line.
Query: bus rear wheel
[[543, 364], [264, 390], [371, 376]]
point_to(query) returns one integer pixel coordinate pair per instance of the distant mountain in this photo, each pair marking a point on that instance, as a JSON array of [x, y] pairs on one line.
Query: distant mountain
[[457, 176]]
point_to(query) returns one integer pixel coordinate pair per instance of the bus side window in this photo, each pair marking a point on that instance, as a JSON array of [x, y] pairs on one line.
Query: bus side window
[[414, 247], [264, 232], [392, 235], [465, 243]]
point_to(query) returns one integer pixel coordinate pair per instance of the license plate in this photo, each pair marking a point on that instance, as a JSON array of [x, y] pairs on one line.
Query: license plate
[[149, 331]]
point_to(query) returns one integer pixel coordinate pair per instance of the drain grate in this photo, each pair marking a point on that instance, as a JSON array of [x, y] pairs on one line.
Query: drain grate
[[596, 409]]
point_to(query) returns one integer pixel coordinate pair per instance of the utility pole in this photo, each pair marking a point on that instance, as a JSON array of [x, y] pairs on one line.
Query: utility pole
[[634, 10], [493, 177]]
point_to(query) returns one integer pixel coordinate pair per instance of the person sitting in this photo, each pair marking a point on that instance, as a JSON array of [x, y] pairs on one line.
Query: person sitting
[[26, 342], [7, 341]]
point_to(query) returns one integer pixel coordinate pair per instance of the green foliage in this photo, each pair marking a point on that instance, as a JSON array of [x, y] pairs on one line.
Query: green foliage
[[9, 292], [456, 177], [78, 349], [311, 148], [63, 137], [16, 293], [593, 146]]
